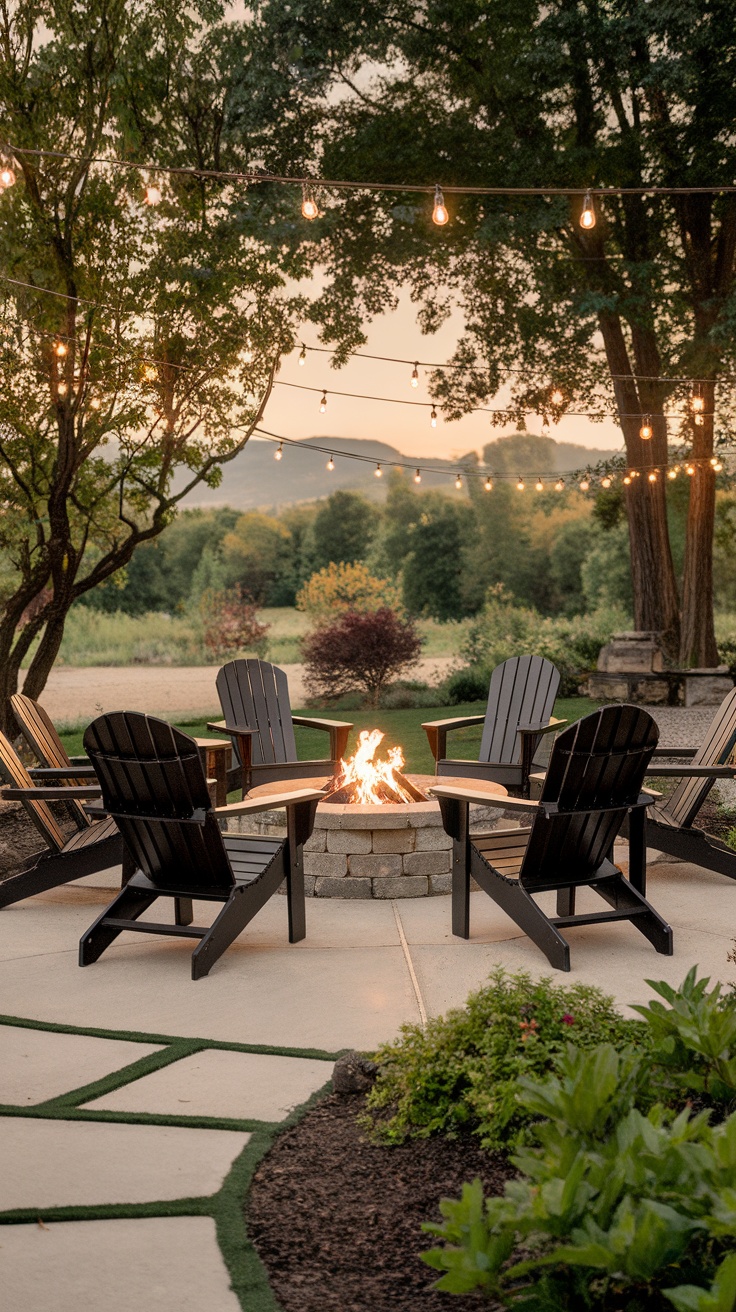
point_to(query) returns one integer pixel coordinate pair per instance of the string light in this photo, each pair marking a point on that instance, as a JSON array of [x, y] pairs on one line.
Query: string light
[[60, 349], [153, 195], [458, 482], [627, 479], [150, 373], [584, 484], [697, 400], [653, 476], [378, 472], [417, 477], [439, 213], [303, 356], [645, 432], [672, 474], [310, 209], [279, 454], [556, 397], [539, 485], [587, 217], [323, 403], [690, 469], [433, 418], [520, 485], [415, 374], [7, 176], [560, 485], [606, 481], [488, 485], [330, 464], [717, 466]]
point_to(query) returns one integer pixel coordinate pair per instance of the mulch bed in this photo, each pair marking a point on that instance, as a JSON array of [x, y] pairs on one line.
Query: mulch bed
[[19, 838], [337, 1220]]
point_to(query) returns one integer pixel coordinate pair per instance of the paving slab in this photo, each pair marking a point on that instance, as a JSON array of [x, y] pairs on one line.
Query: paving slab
[[50, 1163], [162, 1264], [38, 1064], [258, 1086]]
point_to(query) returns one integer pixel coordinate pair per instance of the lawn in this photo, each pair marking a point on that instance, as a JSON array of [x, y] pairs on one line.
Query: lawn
[[402, 728]]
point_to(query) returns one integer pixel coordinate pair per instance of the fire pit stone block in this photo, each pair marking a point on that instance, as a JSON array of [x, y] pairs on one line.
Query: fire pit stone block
[[349, 840]]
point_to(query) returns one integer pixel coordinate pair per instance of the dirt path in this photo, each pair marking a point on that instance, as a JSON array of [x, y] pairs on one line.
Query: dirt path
[[74, 695]]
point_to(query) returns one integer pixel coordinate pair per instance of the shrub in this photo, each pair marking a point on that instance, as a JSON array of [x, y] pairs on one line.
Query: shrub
[[466, 685], [343, 587], [360, 650], [460, 1072], [410, 695], [231, 625]]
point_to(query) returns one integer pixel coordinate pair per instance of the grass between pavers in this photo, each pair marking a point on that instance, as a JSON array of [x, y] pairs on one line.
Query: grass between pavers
[[403, 728], [247, 1274]]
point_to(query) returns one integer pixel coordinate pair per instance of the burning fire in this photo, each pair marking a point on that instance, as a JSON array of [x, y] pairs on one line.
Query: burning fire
[[362, 779]]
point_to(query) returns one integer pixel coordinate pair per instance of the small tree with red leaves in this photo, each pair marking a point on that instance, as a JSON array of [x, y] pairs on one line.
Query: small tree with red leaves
[[231, 624], [360, 649]]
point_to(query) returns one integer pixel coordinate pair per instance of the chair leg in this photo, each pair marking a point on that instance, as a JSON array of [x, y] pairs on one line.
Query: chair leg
[[294, 860], [566, 901], [223, 931], [638, 850], [183, 911], [455, 817], [523, 910], [129, 904], [621, 894]]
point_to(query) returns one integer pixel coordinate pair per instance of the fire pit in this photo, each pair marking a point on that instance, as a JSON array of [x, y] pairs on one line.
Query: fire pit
[[391, 845]]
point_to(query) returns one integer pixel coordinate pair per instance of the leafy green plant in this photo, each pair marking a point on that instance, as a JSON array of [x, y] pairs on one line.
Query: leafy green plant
[[460, 1073], [615, 1207], [694, 1038]]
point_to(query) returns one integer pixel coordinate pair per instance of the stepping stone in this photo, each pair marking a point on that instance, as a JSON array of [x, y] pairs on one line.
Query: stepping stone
[[243, 1085], [39, 1064], [49, 1163], [161, 1264]]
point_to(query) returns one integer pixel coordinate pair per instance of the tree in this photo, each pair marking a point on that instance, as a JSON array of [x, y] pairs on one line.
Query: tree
[[345, 588], [139, 341], [566, 94], [360, 650], [343, 529], [257, 555], [434, 569]]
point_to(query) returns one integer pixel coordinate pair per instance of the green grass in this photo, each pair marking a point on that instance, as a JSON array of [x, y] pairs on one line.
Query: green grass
[[402, 728]]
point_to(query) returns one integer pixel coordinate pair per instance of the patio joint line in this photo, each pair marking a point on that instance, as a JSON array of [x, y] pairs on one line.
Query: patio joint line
[[409, 964]]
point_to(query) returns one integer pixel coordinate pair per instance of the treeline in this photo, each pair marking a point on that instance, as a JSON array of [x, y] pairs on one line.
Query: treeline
[[562, 553]]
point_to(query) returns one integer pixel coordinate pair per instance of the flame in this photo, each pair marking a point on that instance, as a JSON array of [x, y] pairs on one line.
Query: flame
[[372, 782]]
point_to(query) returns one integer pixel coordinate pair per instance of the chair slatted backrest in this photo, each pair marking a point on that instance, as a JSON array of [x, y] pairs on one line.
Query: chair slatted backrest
[[599, 762], [255, 695], [152, 784], [14, 773], [40, 734], [715, 749], [522, 691]]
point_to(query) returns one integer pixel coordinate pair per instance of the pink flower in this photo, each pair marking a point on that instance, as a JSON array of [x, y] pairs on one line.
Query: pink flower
[[567, 1019]]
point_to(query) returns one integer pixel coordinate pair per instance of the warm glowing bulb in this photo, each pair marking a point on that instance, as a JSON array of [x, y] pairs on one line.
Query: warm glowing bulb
[[584, 485], [439, 213], [323, 403], [433, 418], [153, 195], [330, 464], [310, 209], [653, 477], [556, 397], [690, 469], [7, 177], [60, 350], [279, 453], [587, 218], [560, 485], [417, 477], [605, 481], [627, 479], [150, 373], [645, 432], [488, 485], [520, 485], [415, 375], [539, 485], [697, 402], [378, 472], [303, 355], [717, 466], [458, 482], [672, 473]]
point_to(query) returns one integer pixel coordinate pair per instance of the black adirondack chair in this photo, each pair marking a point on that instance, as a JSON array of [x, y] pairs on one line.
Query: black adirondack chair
[[154, 787], [670, 823], [95, 846], [40, 733], [521, 698], [254, 696], [594, 779]]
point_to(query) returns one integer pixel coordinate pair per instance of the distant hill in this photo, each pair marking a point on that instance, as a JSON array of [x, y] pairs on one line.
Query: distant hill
[[254, 480]]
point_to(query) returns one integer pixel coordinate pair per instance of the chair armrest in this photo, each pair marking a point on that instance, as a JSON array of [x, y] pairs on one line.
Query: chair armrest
[[692, 771], [437, 731], [273, 803], [652, 792], [63, 772], [62, 794], [234, 730], [674, 751], [339, 731], [549, 727], [443, 791]]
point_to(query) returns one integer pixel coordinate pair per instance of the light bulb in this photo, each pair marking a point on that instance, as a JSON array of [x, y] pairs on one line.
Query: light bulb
[[433, 418], [323, 403], [520, 485], [605, 481], [645, 432], [672, 473], [150, 373], [653, 476], [153, 195], [584, 485], [417, 477], [279, 454], [60, 349], [539, 485], [587, 218], [415, 375], [310, 209], [7, 176], [717, 466], [378, 472], [303, 355], [690, 469], [439, 213], [556, 396], [697, 401], [627, 479], [560, 485], [330, 464], [458, 482], [488, 485]]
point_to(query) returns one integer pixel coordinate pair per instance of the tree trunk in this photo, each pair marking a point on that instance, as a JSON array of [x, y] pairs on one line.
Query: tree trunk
[[698, 646]]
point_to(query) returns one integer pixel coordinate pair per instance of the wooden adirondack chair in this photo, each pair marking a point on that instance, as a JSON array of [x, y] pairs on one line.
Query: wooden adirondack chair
[[669, 825], [254, 696], [96, 845], [594, 779], [521, 698], [154, 787], [40, 734]]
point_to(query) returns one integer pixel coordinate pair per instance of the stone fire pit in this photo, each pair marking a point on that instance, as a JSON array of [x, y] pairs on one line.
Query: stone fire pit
[[362, 851]]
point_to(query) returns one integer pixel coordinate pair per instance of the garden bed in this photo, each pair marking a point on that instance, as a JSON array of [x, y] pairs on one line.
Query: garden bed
[[337, 1220]]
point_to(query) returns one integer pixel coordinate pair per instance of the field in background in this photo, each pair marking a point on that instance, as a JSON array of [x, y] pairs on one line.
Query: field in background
[[96, 638]]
